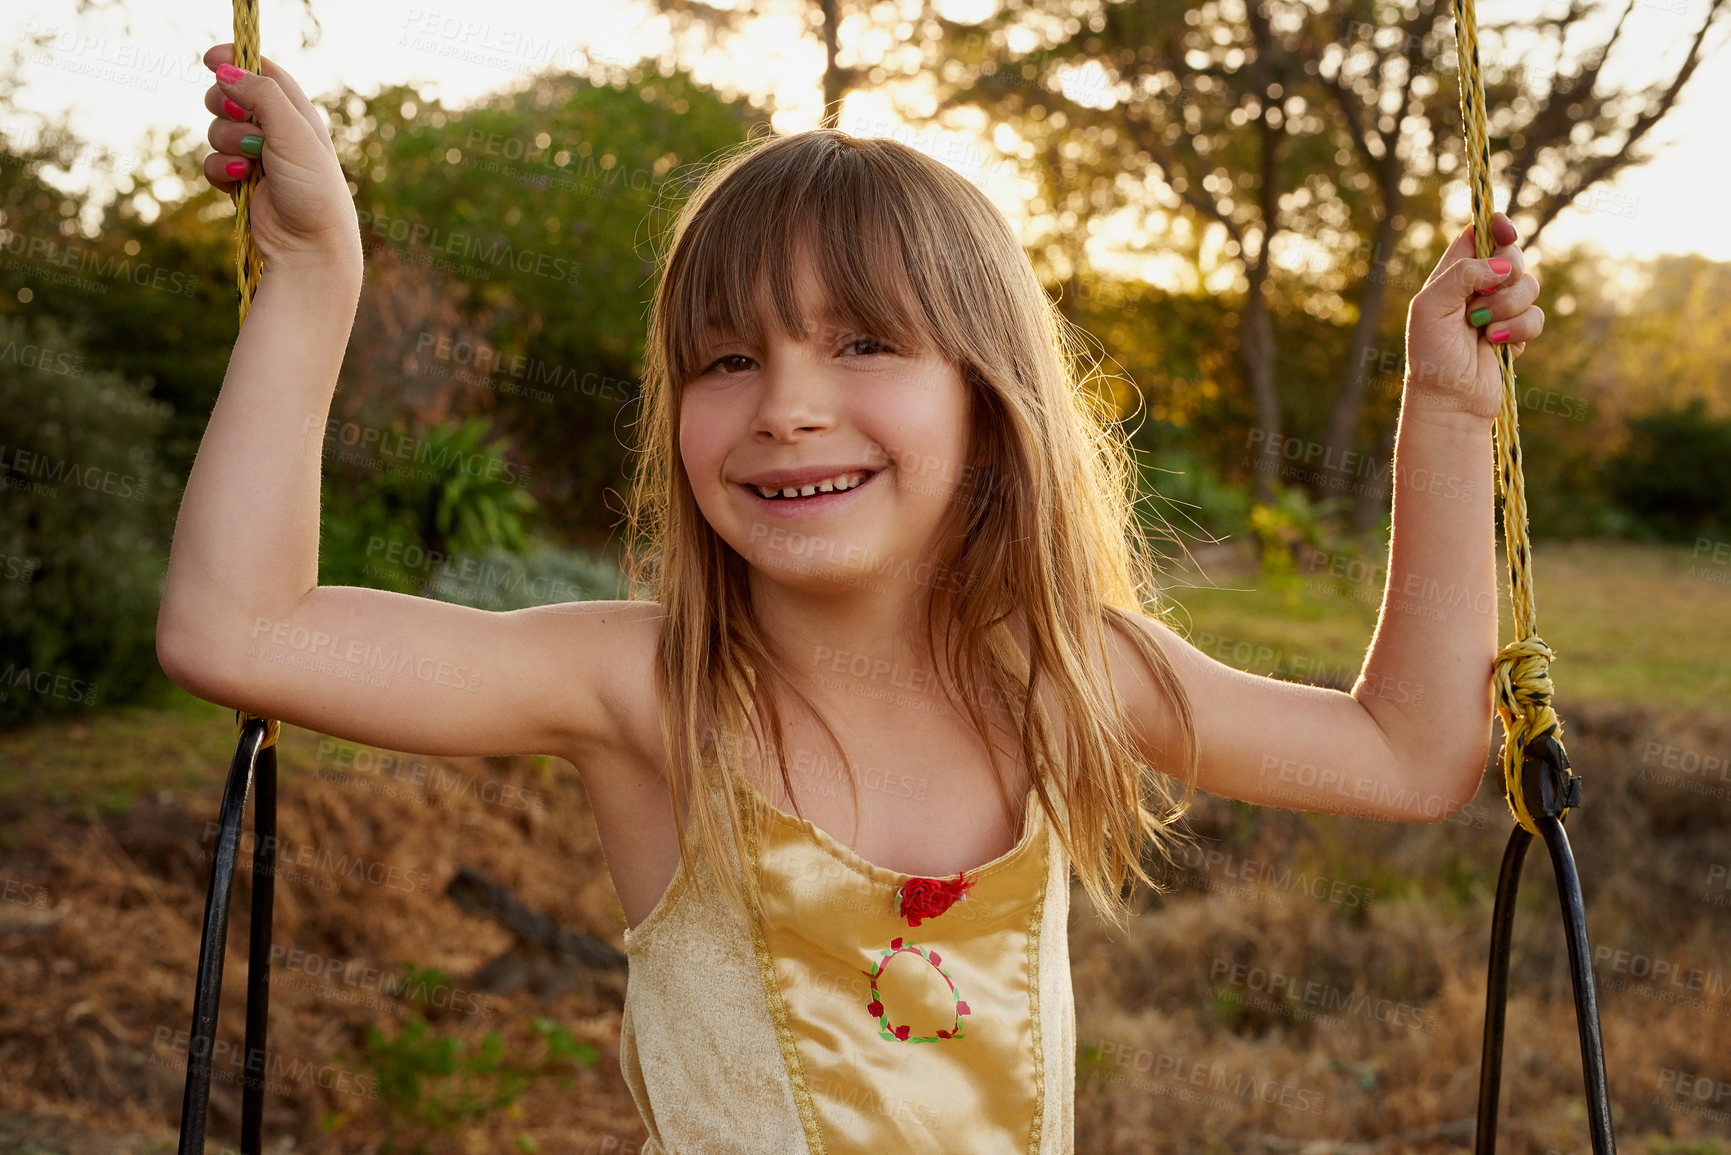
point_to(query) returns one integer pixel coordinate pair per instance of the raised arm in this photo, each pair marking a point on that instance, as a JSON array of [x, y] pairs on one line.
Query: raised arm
[[243, 620], [1409, 741]]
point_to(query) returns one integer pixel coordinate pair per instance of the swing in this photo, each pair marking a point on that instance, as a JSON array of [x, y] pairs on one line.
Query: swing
[[1537, 783]]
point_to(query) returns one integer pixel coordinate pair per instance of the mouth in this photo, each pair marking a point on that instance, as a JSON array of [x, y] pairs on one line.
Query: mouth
[[819, 500]]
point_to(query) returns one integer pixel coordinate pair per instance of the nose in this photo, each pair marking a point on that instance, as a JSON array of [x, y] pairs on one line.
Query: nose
[[792, 396]]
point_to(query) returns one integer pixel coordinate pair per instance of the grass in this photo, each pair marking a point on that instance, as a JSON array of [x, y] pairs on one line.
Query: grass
[[1641, 623]]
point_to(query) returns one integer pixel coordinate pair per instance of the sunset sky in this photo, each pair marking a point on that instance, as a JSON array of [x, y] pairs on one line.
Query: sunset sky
[[118, 86]]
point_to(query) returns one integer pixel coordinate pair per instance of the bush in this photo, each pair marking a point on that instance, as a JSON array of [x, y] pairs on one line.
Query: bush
[[85, 516], [1673, 478], [390, 523]]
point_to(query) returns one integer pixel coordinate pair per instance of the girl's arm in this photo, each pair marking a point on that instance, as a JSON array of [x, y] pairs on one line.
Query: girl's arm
[[1409, 742], [243, 620]]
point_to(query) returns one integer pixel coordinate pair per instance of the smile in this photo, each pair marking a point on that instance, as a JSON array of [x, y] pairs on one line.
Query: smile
[[812, 497]]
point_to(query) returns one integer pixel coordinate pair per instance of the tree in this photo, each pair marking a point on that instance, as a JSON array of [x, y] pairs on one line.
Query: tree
[[1275, 120]]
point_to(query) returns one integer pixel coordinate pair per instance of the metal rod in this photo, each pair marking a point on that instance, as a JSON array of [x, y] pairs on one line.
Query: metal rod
[[207, 992], [1497, 990], [1581, 972]]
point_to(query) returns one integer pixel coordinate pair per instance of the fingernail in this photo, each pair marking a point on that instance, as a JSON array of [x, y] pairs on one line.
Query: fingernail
[[234, 111], [1475, 318], [1500, 266], [236, 168], [228, 73], [254, 146], [1498, 336]]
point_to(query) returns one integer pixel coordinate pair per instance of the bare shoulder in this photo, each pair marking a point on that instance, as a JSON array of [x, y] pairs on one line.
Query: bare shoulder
[[614, 645]]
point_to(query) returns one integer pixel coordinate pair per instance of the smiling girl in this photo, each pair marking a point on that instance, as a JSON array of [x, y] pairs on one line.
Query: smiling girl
[[883, 535]]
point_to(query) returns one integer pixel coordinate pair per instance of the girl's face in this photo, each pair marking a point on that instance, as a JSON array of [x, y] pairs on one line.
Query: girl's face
[[836, 408]]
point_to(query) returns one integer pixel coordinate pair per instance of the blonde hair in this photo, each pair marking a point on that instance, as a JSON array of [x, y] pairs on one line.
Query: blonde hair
[[909, 251]]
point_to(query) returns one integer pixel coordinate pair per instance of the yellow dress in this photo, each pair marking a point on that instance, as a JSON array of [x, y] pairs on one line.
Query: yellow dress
[[834, 1027]]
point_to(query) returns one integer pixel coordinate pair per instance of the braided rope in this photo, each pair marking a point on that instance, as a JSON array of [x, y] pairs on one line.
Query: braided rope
[[248, 264], [1522, 673]]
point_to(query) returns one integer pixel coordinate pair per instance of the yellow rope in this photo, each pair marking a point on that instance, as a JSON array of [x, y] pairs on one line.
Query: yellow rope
[[1522, 673], [248, 264]]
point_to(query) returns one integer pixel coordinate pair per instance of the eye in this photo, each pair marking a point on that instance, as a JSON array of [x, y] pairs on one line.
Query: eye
[[724, 360], [880, 346]]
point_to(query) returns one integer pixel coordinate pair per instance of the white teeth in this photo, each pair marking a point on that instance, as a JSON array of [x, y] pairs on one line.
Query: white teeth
[[837, 484]]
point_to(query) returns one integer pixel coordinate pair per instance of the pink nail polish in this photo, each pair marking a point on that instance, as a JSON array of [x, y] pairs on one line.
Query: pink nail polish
[[237, 169], [233, 110], [1500, 266], [228, 73], [1498, 336]]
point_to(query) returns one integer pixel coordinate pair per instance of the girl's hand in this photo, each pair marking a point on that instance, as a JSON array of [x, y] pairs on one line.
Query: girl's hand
[[302, 213], [1467, 308]]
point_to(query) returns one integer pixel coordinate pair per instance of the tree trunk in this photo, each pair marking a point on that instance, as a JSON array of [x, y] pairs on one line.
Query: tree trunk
[[1256, 355], [1361, 354], [834, 79]]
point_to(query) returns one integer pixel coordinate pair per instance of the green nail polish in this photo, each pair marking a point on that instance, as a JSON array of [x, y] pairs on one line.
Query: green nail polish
[[254, 146], [1477, 317]]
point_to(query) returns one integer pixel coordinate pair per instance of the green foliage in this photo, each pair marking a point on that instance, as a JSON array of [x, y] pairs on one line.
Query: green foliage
[[85, 504], [1184, 493], [1290, 527], [410, 501], [533, 212], [542, 574], [1674, 476], [431, 1084]]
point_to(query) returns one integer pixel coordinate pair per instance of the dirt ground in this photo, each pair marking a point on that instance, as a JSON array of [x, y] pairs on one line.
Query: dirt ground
[[1308, 984]]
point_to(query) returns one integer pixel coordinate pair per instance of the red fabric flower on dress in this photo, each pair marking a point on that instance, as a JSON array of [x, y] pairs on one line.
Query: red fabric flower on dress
[[923, 898]]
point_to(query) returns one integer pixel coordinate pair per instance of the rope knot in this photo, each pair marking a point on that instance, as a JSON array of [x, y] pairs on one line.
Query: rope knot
[[1522, 677]]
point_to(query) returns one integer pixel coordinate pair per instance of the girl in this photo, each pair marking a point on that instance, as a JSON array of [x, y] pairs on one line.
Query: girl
[[884, 539]]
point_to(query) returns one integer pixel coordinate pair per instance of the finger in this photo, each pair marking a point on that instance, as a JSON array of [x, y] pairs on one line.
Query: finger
[[216, 171], [1503, 230], [1445, 297], [1517, 350], [1519, 329], [232, 137], [1461, 248], [219, 105], [1500, 303], [1517, 266], [271, 84]]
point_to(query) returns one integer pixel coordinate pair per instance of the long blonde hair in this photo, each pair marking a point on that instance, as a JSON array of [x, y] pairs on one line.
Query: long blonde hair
[[909, 250]]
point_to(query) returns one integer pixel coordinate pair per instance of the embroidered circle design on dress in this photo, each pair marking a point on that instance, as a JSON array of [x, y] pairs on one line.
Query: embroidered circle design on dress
[[876, 1009]]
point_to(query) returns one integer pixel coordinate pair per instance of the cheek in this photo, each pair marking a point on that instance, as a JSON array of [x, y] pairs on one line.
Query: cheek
[[699, 445]]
